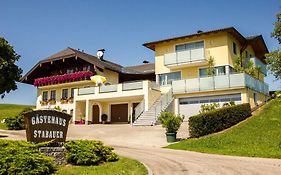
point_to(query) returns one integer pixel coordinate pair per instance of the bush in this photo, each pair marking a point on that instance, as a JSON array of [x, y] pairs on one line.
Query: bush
[[217, 120], [17, 122], [209, 107], [20, 157], [171, 121], [86, 152], [231, 103]]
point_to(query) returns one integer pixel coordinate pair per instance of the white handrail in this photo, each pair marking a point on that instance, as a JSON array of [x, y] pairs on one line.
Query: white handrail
[[165, 100]]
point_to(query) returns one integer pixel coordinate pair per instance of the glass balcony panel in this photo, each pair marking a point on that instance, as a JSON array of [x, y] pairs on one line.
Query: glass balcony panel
[[170, 58], [183, 56], [86, 91], [207, 83], [192, 85], [178, 86], [132, 86], [221, 81], [108, 88], [236, 80], [197, 54]]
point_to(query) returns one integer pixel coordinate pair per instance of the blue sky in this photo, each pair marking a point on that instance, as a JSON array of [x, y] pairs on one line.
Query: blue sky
[[38, 29]]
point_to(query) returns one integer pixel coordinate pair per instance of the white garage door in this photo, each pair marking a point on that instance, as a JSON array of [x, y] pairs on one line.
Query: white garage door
[[192, 105]]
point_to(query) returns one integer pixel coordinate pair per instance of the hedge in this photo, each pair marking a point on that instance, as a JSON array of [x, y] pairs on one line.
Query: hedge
[[87, 152], [217, 120], [20, 157]]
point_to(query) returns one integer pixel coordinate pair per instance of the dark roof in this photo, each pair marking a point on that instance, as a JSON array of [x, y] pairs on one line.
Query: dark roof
[[143, 68], [104, 64]]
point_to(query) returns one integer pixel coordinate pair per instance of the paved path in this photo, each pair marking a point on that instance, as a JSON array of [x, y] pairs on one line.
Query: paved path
[[170, 162], [144, 144]]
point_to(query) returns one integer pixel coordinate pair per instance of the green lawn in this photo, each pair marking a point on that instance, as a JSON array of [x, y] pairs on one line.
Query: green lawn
[[258, 136], [123, 166], [10, 110]]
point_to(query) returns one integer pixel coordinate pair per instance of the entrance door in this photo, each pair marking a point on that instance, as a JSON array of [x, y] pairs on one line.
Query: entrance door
[[96, 114], [119, 113]]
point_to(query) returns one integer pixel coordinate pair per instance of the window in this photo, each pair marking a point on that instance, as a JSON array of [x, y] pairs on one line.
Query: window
[[45, 96], [68, 71], [169, 77], [246, 54], [255, 98], [53, 94], [220, 70], [87, 68], [72, 92], [203, 72], [190, 46], [234, 47], [64, 94]]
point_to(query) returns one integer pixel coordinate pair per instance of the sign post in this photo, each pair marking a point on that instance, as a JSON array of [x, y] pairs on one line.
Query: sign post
[[46, 125]]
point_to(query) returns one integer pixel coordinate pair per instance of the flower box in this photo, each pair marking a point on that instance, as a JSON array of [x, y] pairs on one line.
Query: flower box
[[44, 102], [65, 78], [63, 101], [52, 101]]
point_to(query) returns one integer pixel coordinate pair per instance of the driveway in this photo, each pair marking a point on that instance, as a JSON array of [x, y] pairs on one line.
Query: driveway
[[144, 144]]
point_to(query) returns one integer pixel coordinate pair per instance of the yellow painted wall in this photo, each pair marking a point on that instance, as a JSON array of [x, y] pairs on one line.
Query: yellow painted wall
[[111, 76], [261, 97], [215, 46]]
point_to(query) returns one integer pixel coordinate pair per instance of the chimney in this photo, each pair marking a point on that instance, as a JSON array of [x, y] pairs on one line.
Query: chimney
[[145, 62], [199, 31]]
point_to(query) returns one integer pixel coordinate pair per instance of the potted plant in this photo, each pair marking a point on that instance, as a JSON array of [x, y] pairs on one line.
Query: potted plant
[[104, 118], [82, 119], [172, 124]]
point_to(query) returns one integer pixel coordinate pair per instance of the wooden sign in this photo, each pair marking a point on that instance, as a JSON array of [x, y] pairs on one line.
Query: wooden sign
[[46, 125]]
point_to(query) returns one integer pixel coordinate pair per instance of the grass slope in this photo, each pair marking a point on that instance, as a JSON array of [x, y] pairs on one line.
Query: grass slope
[[123, 166], [10, 110], [258, 136]]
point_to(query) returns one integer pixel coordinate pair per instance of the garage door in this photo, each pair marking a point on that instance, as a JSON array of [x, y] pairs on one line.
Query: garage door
[[191, 106], [119, 113]]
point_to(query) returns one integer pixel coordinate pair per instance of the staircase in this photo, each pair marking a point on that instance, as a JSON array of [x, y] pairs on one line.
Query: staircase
[[149, 118]]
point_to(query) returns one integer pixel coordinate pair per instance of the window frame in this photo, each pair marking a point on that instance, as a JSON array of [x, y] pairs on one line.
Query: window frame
[[63, 94], [166, 77], [43, 96], [53, 93]]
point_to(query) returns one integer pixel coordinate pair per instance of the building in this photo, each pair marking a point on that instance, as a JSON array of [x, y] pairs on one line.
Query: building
[[178, 81]]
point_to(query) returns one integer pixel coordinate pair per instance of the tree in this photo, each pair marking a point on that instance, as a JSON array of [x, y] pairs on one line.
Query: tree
[[9, 71], [211, 69], [274, 58], [241, 65]]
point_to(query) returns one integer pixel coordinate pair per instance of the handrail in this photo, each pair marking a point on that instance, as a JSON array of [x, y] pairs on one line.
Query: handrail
[[139, 109], [165, 100]]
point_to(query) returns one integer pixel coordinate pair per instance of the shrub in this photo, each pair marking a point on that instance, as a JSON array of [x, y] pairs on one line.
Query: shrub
[[17, 122], [231, 103], [86, 152], [20, 157], [171, 121], [208, 107], [217, 120]]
